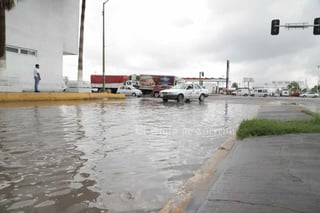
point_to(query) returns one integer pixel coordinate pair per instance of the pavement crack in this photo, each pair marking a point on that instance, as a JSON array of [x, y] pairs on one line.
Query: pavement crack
[[255, 204], [294, 178]]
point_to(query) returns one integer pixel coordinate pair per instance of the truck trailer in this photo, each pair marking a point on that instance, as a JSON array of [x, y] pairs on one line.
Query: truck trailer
[[112, 82], [148, 82], [143, 82]]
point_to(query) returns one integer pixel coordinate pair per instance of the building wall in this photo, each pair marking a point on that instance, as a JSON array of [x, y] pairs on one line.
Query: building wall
[[44, 27]]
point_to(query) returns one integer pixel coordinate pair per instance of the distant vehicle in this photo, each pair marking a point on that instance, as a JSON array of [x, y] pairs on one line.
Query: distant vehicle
[[75, 86], [284, 93], [148, 82], [309, 95], [183, 92], [294, 94], [129, 90], [143, 82], [260, 93], [241, 92], [112, 82], [156, 90]]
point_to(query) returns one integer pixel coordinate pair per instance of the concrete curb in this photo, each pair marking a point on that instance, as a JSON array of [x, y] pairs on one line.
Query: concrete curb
[[52, 96], [179, 202]]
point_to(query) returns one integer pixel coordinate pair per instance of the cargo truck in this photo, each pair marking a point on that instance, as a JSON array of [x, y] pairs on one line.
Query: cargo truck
[[112, 82], [143, 82], [148, 82]]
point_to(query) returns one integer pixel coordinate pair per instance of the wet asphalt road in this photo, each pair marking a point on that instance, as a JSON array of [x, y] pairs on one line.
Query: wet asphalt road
[[116, 156]]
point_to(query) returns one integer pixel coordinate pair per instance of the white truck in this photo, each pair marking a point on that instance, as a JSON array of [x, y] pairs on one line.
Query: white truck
[[112, 82], [241, 92], [260, 92]]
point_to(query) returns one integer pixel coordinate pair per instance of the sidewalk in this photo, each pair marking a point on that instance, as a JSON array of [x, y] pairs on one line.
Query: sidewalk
[[6, 97], [269, 174]]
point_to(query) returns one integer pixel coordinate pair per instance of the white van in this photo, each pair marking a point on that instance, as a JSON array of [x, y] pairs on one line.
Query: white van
[[260, 93], [285, 93], [241, 92]]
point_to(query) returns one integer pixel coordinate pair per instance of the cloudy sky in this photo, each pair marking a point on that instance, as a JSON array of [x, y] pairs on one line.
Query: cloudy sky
[[184, 37]]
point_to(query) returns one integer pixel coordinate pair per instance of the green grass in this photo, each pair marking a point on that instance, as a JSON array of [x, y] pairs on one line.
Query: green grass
[[261, 127]]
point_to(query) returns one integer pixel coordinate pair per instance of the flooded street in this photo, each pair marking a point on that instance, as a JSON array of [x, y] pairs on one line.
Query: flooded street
[[108, 156]]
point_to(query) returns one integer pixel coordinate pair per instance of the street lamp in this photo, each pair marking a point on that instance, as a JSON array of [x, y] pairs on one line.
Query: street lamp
[[103, 52]]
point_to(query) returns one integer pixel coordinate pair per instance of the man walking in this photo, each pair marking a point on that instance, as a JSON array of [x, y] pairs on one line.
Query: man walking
[[37, 78]]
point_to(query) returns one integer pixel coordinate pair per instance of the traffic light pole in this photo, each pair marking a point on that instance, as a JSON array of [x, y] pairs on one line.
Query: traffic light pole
[[275, 25], [297, 25]]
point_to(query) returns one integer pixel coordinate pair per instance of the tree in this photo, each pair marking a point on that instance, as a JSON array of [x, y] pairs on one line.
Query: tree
[[234, 85], [80, 57], [4, 5], [314, 89], [294, 87]]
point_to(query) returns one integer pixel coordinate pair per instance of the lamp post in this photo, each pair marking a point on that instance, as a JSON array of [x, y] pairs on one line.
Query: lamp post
[[103, 51]]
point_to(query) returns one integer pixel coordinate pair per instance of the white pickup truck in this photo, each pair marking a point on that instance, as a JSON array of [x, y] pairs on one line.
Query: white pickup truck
[[184, 92], [241, 92]]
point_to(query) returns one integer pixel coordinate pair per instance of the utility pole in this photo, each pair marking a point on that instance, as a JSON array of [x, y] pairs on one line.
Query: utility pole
[[103, 50], [318, 84], [227, 78]]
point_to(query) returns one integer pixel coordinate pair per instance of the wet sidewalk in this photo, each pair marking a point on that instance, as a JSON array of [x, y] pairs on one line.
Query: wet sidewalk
[[6, 97], [269, 174]]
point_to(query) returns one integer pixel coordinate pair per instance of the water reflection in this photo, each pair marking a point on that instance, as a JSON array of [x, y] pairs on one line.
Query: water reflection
[[39, 161], [98, 156]]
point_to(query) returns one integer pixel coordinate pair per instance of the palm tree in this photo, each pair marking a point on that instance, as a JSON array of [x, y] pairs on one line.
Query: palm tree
[[80, 57], [4, 5], [294, 87]]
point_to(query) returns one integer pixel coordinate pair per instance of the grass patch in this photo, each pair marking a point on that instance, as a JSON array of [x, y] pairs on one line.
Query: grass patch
[[261, 127]]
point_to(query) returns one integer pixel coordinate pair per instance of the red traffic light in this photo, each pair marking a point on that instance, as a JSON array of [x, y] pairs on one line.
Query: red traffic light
[[275, 26], [316, 26]]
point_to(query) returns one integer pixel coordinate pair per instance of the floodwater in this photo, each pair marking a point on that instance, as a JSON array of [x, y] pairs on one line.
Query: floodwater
[[107, 156]]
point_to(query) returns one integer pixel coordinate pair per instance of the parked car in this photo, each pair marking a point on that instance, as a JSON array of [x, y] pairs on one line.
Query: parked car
[[129, 90], [156, 90], [260, 92], [184, 92], [294, 94], [309, 95], [241, 92]]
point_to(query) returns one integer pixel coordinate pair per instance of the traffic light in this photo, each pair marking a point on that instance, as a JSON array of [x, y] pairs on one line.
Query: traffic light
[[275, 26], [316, 26]]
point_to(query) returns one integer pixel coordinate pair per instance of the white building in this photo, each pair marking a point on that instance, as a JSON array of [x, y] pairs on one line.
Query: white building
[[39, 32], [214, 85]]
